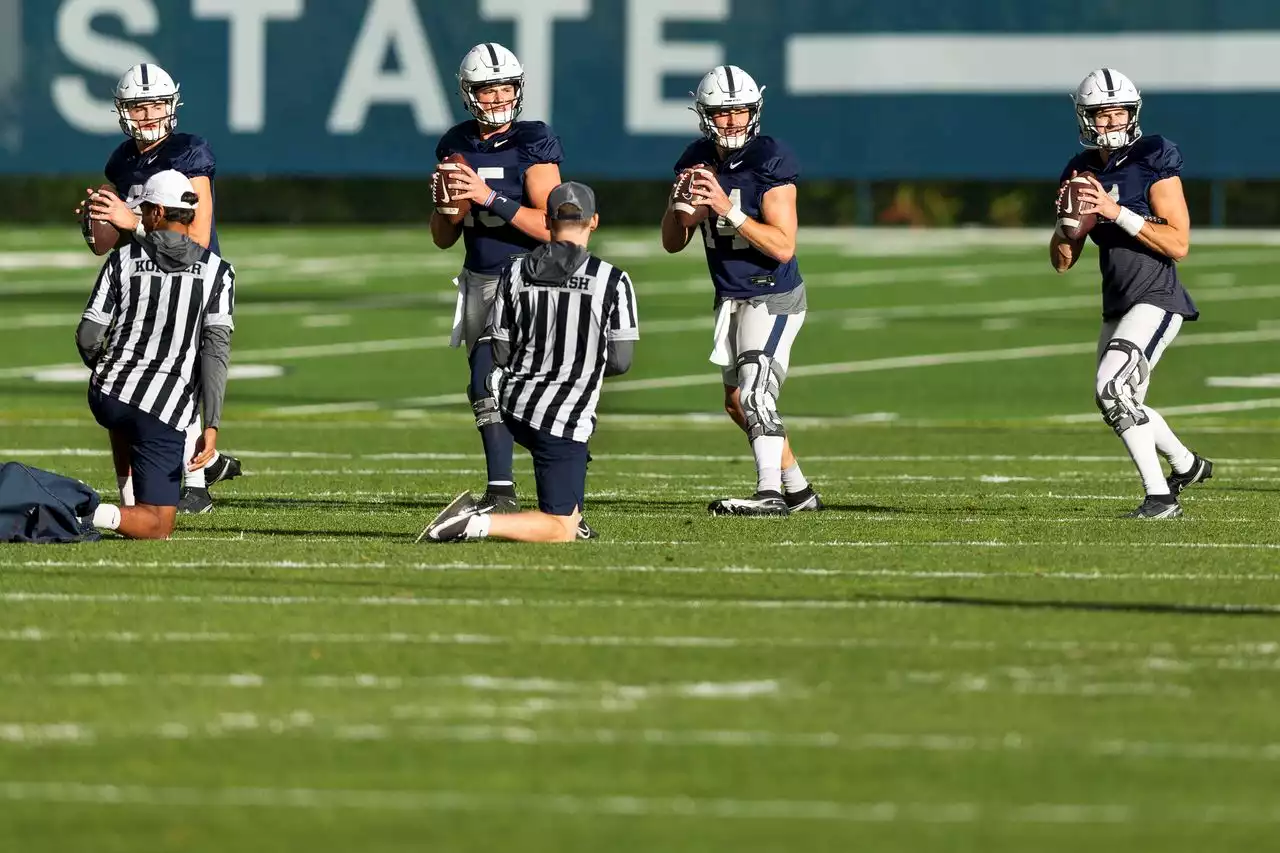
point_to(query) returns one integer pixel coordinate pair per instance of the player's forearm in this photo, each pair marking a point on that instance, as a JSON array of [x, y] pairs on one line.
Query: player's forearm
[[201, 232], [443, 232], [533, 222], [674, 235], [769, 239], [1166, 239]]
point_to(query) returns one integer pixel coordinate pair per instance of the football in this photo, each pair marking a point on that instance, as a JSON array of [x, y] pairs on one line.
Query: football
[[1072, 224], [441, 191], [99, 236], [687, 213]]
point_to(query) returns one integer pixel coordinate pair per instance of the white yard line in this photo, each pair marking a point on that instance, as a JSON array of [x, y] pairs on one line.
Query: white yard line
[[799, 571], [406, 602], [113, 795]]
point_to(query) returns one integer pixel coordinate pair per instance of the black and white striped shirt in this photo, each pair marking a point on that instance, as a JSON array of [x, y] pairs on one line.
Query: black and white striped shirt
[[558, 337], [154, 320]]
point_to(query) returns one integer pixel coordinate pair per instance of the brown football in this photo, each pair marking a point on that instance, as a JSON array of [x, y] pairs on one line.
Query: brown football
[[687, 213], [1072, 224], [99, 236], [442, 191]]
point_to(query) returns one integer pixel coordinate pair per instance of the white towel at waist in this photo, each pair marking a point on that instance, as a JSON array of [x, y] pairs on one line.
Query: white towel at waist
[[721, 351]]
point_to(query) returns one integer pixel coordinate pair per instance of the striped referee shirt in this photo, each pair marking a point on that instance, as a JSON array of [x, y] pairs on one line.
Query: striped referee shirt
[[558, 336], [155, 318]]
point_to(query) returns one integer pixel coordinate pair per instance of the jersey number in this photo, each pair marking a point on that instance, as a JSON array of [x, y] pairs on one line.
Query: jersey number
[[712, 224], [484, 217]]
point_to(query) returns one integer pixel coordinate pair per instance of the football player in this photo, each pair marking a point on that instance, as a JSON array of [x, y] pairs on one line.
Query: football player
[[147, 101], [746, 187], [1135, 188], [511, 167]]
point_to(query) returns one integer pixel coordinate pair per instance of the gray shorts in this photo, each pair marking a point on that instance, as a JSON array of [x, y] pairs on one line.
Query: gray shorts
[[769, 323], [475, 302]]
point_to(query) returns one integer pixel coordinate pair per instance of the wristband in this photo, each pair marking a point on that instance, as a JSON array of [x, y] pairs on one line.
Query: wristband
[[1130, 222], [139, 229], [735, 217], [505, 208]]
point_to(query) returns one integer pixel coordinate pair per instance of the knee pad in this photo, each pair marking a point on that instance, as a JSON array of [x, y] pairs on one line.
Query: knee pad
[[1118, 395], [758, 389]]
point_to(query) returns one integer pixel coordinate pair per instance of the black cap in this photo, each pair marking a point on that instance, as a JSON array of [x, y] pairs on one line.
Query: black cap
[[574, 193]]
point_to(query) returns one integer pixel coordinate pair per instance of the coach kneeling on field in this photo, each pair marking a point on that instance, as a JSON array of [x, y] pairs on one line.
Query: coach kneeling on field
[[159, 317], [562, 320]]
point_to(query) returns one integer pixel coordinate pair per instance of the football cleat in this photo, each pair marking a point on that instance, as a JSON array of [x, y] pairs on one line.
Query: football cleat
[[805, 500], [1156, 508], [761, 503], [498, 503], [195, 502], [223, 468], [450, 525], [1201, 470], [586, 531]]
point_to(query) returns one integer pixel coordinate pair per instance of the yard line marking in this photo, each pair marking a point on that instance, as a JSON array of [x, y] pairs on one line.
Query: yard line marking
[[923, 574], [622, 805], [1198, 409], [873, 365], [392, 601], [1225, 656]]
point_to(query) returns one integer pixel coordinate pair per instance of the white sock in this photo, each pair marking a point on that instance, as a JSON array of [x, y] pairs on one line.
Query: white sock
[[107, 517], [125, 485], [213, 458], [1169, 445], [768, 453], [192, 479], [793, 480], [1140, 441], [478, 526]]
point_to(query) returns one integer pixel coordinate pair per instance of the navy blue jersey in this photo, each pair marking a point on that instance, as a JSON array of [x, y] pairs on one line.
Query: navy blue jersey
[[1131, 272], [128, 168], [501, 162], [738, 269]]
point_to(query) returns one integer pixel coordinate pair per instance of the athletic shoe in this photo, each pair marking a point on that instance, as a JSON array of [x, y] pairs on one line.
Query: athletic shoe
[[1155, 508], [451, 524], [805, 500], [195, 502], [761, 503], [223, 468], [1201, 470], [586, 531], [498, 503]]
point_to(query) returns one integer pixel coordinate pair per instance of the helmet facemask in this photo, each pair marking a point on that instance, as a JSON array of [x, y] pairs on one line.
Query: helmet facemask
[[485, 113], [706, 122], [1115, 138], [162, 125]]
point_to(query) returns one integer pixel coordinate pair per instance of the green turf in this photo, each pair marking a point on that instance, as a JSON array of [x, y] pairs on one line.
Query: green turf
[[968, 652]]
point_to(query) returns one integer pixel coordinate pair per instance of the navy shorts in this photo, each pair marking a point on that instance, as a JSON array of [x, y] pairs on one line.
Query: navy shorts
[[155, 449], [559, 467]]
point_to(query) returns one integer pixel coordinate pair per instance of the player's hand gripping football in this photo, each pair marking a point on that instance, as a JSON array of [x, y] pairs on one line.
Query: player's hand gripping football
[[465, 183], [707, 190], [1094, 199], [106, 206]]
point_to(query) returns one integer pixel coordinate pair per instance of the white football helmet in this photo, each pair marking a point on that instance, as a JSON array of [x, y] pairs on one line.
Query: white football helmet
[[728, 87], [1103, 88], [147, 83], [485, 65]]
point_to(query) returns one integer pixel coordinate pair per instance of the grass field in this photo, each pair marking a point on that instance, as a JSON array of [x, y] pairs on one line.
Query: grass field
[[969, 652]]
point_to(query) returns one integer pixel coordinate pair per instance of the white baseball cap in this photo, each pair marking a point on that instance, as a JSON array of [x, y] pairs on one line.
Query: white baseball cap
[[166, 189]]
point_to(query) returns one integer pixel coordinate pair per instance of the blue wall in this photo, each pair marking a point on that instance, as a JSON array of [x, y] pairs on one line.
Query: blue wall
[[278, 86]]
